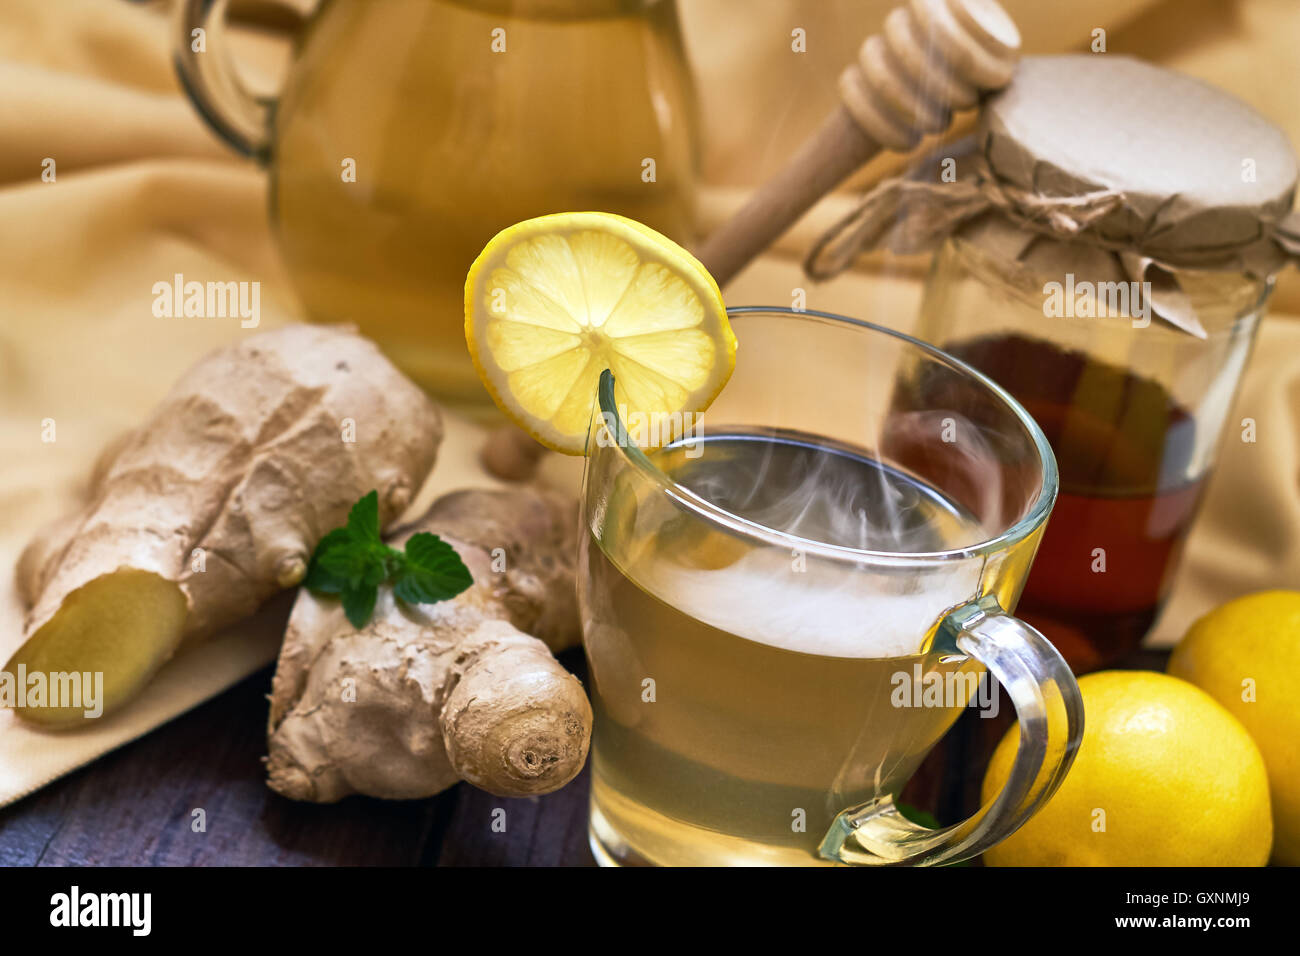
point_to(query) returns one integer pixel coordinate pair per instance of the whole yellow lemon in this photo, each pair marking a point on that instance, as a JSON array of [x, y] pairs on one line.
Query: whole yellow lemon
[[1164, 776], [1246, 655]]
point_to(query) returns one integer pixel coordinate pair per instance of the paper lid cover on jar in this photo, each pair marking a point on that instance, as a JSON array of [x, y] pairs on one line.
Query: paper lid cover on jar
[[1156, 160], [1160, 170]]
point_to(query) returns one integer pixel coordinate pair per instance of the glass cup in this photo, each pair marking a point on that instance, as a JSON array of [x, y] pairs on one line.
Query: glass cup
[[789, 603]]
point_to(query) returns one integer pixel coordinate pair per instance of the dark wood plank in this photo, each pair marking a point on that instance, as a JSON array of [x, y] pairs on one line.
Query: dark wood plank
[[136, 805], [539, 831]]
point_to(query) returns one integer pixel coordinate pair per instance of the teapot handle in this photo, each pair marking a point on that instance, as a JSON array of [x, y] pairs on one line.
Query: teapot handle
[[206, 71]]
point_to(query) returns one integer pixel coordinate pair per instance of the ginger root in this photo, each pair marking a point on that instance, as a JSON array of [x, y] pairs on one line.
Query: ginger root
[[424, 696], [216, 503], [511, 455]]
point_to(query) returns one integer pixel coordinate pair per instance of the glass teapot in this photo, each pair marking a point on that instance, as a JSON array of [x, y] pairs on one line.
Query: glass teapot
[[409, 132]]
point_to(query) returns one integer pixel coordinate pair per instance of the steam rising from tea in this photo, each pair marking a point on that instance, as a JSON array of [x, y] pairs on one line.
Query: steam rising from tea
[[810, 494]]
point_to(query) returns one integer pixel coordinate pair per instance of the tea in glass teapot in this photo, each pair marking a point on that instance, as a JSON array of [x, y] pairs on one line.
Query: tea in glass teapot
[[409, 132]]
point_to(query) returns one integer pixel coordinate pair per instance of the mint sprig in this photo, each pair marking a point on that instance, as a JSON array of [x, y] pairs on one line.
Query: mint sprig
[[353, 562]]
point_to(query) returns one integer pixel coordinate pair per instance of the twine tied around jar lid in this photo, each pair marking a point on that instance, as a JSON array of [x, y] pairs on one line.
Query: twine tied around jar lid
[[1096, 152]]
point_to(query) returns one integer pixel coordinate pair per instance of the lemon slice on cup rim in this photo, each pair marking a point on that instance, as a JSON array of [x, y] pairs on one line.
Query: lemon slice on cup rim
[[552, 302]]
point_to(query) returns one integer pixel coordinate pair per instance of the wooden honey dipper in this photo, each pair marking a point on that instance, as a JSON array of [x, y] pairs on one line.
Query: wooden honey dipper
[[932, 57]]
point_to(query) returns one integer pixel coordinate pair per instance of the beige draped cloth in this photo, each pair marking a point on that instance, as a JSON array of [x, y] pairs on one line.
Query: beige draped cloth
[[142, 190]]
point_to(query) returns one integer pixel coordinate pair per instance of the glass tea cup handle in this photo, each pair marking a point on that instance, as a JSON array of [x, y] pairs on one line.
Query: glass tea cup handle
[[237, 114], [1050, 713]]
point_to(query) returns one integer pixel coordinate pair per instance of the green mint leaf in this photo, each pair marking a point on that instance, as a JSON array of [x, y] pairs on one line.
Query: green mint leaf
[[338, 538], [376, 568], [353, 562], [433, 571], [359, 604], [363, 519], [322, 581], [357, 566], [394, 562], [319, 578]]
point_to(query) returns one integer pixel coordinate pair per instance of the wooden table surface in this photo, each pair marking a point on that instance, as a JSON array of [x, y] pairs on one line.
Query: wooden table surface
[[136, 806]]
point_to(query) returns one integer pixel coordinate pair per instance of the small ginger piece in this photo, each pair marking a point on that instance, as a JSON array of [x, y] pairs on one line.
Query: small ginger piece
[[197, 517], [427, 695], [510, 454]]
